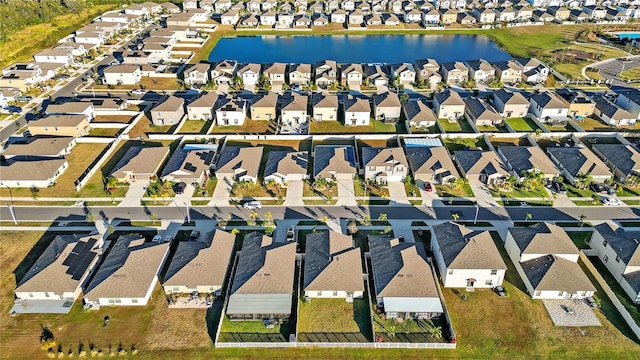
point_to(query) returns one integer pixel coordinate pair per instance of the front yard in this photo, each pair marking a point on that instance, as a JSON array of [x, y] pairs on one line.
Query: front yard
[[447, 190], [330, 191], [362, 188], [517, 192], [321, 317], [251, 190]]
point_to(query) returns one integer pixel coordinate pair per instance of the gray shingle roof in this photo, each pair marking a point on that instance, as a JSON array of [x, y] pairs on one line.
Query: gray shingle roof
[[463, 248], [543, 238], [140, 160], [286, 163], [509, 98], [332, 263], [30, 169], [611, 110], [425, 160], [550, 273], [624, 157], [383, 156], [528, 158], [481, 110], [623, 242], [235, 159], [448, 97], [418, 111], [189, 162], [329, 159], [480, 162], [579, 160]]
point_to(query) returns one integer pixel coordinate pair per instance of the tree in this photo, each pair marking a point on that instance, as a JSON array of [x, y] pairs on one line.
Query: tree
[[90, 217], [324, 219], [235, 231], [455, 216], [269, 218], [154, 218], [528, 216], [253, 215], [366, 219], [582, 218], [382, 217], [35, 193]]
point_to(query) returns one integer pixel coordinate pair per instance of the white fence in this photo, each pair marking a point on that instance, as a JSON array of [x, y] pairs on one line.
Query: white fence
[[93, 140], [84, 179], [373, 345]]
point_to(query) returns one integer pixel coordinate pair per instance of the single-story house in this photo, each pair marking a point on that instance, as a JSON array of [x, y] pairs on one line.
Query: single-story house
[[239, 163], [466, 258], [334, 162], [168, 111], [140, 162], [384, 165], [431, 164], [404, 283], [284, 166], [36, 147], [262, 285], [623, 160], [200, 266], [547, 261], [190, 165], [39, 173], [128, 273], [576, 161], [484, 166], [332, 267], [523, 159]]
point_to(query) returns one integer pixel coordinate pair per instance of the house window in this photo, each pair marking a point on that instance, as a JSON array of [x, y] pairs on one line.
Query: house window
[[605, 258], [335, 292], [537, 293], [372, 168], [319, 293], [210, 288], [604, 243], [450, 271], [488, 282], [560, 293], [46, 294], [111, 301], [618, 258], [494, 272], [134, 301], [30, 294], [175, 288], [349, 294]]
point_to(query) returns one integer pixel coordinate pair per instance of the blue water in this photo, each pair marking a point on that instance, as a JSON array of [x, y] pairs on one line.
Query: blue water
[[629, 35], [357, 48]]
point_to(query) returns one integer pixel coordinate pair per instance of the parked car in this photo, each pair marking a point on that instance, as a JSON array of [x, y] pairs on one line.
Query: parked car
[[428, 187], [179, 187], [195, 235], [591, 302], [168, 238], [499, 290], [251, 205], [610, 190], [291, 233], [559, 187], [548, 184], [610, 201], [138, 92], [600, 188], [157, 239], [13, 109], [24, 98]]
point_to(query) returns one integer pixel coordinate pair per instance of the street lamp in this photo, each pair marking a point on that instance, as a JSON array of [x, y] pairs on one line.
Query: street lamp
[[475, 219], [11, 207]]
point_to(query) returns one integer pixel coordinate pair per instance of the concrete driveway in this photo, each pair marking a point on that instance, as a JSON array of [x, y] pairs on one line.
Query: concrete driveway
[[397, 195], [294, 193], [186, 195], [276, 87], [135, 193], [221, 193], [346, 193], [483, 196]]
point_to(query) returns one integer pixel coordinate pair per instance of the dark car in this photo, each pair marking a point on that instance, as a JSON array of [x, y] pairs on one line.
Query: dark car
[[598, 187], [179, 187], [195, 234], [559, 187], [499, 290], [547, 183], [428, 187], [591, 302], [13, 109]]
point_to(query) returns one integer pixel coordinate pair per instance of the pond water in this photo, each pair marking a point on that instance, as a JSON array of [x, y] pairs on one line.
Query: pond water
[[357, 48]]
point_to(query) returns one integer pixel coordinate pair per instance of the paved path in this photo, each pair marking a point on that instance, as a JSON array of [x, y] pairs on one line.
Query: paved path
[[483, 196], [136, 192], [397, 194], [221, 194], [346, 193], [294, 193]]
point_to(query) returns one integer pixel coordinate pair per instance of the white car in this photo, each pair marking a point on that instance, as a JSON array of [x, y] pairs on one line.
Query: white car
[[138, 92], [251, 205], [157, 239], [611, 201]]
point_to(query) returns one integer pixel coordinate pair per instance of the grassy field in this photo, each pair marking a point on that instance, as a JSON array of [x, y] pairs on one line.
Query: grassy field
[[249, 127], [591, 124], [308, 191], [337, 127], [257, 190], [123, 119], [194, 127], [522, 124], [104, 132], [144, 126], [459, 143], [631, 74], [333, 315]]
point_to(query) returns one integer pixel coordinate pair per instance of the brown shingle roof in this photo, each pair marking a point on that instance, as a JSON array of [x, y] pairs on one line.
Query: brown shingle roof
[[59, 120], [140, 161], [169, 103], [30, 169]]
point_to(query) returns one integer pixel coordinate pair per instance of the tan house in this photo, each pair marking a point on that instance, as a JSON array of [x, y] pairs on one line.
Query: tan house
[[448, 16], [454, 72], [38, 173], [239, 163], [140, 162], [431, 164], [521, 160], [263, 106], [448, 104], [275, 73], [384, 165], [200, 266], [575, 161], [39, 147], [300, 74], [480, 112], [387, 107], [334, 162], [508, 72], [169, 111], [61, 125], [510, 104], [324, 107], [202, 107], [485, 166], [580, 105], [419, 114], [285, 166]]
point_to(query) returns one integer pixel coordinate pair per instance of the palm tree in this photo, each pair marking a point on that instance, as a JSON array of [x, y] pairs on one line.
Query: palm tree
[[528, 217], [253, 215], [582, 218], [455, 216], [35, 193], [382, 217], [436, 331], [269, 218]]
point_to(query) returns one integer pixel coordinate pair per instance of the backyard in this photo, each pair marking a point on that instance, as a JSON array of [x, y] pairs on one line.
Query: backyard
[[327, 319], [249, 127], [407, 330], [462, 143], [144, 126], [459, 126], [591, 124], [338, 127], [252, 331], [194, 127], [522, 124]]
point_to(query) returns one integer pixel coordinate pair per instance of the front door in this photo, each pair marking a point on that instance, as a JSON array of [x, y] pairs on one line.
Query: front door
[[471, 282]]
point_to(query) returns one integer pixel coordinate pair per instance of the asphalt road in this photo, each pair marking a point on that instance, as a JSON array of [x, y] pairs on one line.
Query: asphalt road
[[610, 70], [466, 213]]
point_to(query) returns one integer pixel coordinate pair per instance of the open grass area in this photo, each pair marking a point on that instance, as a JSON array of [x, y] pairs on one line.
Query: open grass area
[[363, 189], [580, 238], [144, 126], [631, 74], [460, 143], [104, 132], [334, 316], [194, 127], [460, 126], [522, 124], [249, 127], [327, 192], [122, 119], [519, 192], [559, 128], [82, 155], [446, 191], [591, 124], [257, 190], [338, 127]]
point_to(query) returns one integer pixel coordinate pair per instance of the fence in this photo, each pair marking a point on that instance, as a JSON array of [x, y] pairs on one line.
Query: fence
[[612, 296], [374, 345], [97, 164]]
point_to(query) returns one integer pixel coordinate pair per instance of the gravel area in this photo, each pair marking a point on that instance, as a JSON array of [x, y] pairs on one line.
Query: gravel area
[[571, 313]]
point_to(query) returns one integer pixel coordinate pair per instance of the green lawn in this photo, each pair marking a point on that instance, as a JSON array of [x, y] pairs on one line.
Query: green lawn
[[195, 127], [487, 128], [249, 127], [591, 124], [460, 126], [580, 238], [371, 190], [559, 128], [460, 143], [519, 192], [257, 190], [104, 132], [446, 191], [573, 191], [338, 127], [334, 316], [256, 326], [309, 191], [522, 124], [631, 74]]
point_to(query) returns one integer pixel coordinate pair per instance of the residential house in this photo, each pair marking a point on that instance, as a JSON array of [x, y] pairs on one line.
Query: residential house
[[428, 71], [430, 18], [348, 5], [230, 17], [580, 105], [332, 162], [384, 165], [357, 111], [629, 99], [285, 166], [230, 111], [619, 251], [168, 111], [72, 108], [268, 18], [56, 56], [387, 107], [431, 164], [300, 74], [320, 19], [339, 16], [542, 16], [623, 160], [373, 19], [7, 95], [505, 14], [413, 16], [224, 72], [197, 74], [480, 70], [579, 16], [351, 74], [60, 125], [611, 114], [222, 6], [253, 6], [376, 75], [483, 166], [508, 72], [524, 13], [480, 112], [448, 16], [200, 266], [484, 15], [324, 107], [521, 160], [448, 104], [403, 280], [332, 267], [548, 107], [285, 19], [510, 104], [262, 287], [250, 21], [128, 273], [60, 272], [419, 114], [533, 70], [190, 165], [454, 72], [239, 164], [576, 161], [559, 13], [250, 74], [263, 106], [547, 261], [466, 258], [275, 73], [302, 21], [616, 15], [37, 147], [390, 19], [326, 73], [356, 18], [293, 110], [465, 18], [405, 73], [123, 74], [139, 163], [202, 107], [331, 5], [23, 171]]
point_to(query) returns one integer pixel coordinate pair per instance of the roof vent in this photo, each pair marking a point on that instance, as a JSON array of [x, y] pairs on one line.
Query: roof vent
[[636, 240]]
